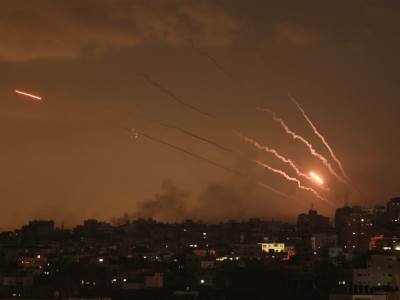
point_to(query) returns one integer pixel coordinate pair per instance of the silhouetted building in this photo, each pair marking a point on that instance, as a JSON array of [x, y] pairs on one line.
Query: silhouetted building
[[356, 225], [393, 210], [308, 224], [38, 229], [93, 227], [382, 272]]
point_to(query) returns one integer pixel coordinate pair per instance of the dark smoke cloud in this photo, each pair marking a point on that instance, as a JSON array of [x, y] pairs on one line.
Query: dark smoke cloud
[[215, 203], [169, 205], [220, 202], [66, 29]]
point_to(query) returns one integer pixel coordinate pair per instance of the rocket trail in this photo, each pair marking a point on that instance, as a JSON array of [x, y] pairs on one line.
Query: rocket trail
[[270, 188], [213, 61], [192, 154], [286, 176], [310, 147], [321, 137], [35, 97], [276, 154], [191, 134], [174, 97]]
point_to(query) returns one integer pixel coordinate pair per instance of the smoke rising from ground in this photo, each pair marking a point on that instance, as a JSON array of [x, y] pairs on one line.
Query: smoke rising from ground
[[217, 202]]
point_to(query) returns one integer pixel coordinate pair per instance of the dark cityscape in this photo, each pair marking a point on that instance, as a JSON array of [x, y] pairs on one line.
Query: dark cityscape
[[357, 253], [199, 149]]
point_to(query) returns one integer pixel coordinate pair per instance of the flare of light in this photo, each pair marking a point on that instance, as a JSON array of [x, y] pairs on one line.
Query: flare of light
[[321, 137], [310, 147], [289, 178], [28, 95], [317, 178]]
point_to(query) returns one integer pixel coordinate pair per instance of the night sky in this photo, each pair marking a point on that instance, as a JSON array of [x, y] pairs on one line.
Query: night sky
[[70, 156]]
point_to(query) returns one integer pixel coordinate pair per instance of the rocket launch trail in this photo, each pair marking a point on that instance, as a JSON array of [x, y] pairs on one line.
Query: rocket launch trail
[[213, 60], [309, 146], [191, 134], [289, 178], [172, 96], [36, 98], [321, 137], [276, 154]]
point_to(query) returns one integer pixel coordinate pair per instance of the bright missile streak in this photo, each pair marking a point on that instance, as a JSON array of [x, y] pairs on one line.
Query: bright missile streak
[[317, 178], [275, 153], [28, 95], [289, 178], [310, 147], [320, 136]]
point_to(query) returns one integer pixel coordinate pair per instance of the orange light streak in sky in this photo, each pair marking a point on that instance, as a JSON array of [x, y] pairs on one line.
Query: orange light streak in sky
[[310, 147], [28, 95], [276, 154], [289, 178], [317, 178], [321, 137]]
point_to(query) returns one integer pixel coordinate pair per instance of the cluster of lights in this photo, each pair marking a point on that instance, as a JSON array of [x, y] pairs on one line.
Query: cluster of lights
[[115, 280], [223, 258], [83, 282], [193, 245]]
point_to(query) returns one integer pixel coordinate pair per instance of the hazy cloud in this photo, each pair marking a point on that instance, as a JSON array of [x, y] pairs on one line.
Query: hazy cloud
[[66, 29]]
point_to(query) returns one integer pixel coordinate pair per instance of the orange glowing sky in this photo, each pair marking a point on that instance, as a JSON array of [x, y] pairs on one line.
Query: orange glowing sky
[[66, 160]]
